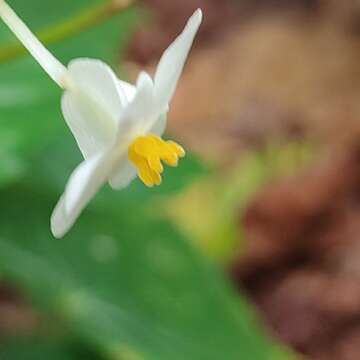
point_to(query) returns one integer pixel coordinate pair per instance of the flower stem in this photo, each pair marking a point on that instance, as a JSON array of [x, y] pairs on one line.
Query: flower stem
[[69, 27]]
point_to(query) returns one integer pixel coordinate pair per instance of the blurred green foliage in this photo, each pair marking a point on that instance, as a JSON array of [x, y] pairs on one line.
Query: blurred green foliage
[[35, 348], [209, 210], [123, 284]]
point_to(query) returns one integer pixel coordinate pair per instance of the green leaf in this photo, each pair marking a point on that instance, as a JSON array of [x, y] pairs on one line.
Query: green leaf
[[126, 282], [36, 348], [39, 14]]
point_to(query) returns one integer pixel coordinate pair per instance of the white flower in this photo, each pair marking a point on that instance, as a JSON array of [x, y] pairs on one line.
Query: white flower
[[116, 125]]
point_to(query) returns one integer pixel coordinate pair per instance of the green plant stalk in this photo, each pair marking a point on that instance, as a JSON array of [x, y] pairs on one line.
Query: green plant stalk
[[74, 25]]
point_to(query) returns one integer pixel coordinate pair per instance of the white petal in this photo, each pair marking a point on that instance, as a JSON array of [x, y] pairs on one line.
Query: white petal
[[160, 125], [100, 81], [142, 103], [172, 61], [93, 108], [137, 117], [123, 175], [91, 134], [47, 61], [83, 184], [128, 89]]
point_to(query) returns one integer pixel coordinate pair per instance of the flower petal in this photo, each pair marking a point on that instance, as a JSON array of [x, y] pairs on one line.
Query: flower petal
[[47, 61], [93, 108], [137, 117], [128, 89], [83, 184], [124, 174], [99, 79], [172, 61], [160, 125], [142, 103], [84, 123]]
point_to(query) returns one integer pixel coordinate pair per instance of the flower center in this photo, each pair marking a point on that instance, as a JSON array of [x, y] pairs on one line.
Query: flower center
[[147, 152]]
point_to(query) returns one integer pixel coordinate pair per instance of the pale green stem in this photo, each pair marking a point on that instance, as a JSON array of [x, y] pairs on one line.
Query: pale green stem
[[80, 22]]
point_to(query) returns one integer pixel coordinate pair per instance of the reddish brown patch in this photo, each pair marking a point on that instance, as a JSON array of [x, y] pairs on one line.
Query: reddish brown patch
[[302, 264]]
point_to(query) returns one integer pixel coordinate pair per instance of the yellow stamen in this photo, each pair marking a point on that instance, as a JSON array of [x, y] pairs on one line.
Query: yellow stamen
[[147, 152]]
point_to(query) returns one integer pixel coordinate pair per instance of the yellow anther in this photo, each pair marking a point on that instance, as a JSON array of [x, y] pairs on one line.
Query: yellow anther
[[147, 152]]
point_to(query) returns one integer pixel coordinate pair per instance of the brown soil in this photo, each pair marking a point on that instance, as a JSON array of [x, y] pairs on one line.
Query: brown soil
[[302, 262]]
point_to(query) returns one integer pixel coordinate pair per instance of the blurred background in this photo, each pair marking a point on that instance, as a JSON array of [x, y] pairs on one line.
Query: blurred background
[[249, 249]]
